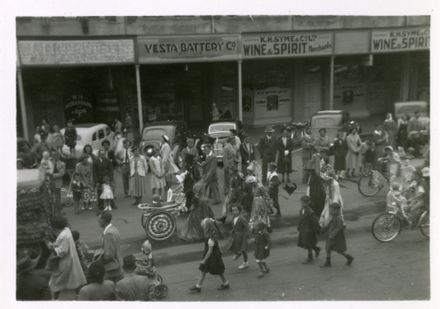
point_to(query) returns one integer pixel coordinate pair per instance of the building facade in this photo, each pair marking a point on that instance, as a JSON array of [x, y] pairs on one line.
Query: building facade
[[260, 69]]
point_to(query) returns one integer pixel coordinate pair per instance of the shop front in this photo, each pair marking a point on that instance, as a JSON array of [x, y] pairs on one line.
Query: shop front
[[86, 81], [182, 77]]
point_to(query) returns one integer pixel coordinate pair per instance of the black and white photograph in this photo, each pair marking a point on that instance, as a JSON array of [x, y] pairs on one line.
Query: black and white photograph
[[222, 157]]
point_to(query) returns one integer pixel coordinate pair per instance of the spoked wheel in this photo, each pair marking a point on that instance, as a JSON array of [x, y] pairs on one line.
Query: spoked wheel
[[386, 227], [369, 184], [160, 225], [144, 218], [424, 224]]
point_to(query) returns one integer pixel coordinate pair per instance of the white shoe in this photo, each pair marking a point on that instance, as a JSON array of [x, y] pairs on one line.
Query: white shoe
[[243, 266]]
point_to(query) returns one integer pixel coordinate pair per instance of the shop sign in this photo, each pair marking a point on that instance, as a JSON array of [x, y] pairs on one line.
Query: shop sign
[[395, 40], [287, 45], [175, 49], [78, 108], [75, 52]]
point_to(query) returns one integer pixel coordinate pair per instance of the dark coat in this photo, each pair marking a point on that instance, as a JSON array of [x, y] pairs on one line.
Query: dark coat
[[240, 235], [214, 265], [336, 236], [284, 160], [210, 169], [247, 153], [262, 240], [268, 148], [103, 168], [308, 228], [339, 150]]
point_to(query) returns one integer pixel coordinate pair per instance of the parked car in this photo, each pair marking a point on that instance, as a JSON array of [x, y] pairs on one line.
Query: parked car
[[152, 135], [90, 133], [332, 121], [220, 131]]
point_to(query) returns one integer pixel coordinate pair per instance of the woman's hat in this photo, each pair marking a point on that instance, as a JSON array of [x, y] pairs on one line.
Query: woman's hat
[[269, 129], [166, 138]]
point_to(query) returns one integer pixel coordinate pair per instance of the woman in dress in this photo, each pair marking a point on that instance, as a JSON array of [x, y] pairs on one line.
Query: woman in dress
[[157, 173], [212, 261], [390, 128], [85, 170], [333, 196], [138, 176], [67, 275], [88, 150], [339, 150], [200, 210], [169, 167], [315, 187], [353, 159]]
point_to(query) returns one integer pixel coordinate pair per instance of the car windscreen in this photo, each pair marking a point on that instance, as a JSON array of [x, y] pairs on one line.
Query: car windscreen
[[221, 127], [154, 133], [326, 121]]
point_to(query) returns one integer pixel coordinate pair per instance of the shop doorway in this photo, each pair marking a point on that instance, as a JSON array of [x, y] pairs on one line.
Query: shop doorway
[[312, 93]]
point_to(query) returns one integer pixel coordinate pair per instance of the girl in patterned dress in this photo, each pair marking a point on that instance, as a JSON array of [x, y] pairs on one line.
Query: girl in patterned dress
[[107, 194]]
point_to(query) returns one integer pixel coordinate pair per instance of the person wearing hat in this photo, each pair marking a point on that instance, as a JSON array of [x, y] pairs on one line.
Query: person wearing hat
[[247, 153], [285, 147], [123, 158], [209, 176], [138, 176], [32, 283], [267, 149], [236, 138], [86, 172], [231, 160], [336, 236], [322, 143]]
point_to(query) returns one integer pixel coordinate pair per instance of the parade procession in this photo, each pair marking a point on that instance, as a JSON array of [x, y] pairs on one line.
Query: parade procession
[[223, 158]]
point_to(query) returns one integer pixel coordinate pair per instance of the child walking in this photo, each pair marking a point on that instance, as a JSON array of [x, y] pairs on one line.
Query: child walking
[[212, 261], [308, 228], [107, 194], [262, 247], [336, 236], [77, 188], [240, 234]]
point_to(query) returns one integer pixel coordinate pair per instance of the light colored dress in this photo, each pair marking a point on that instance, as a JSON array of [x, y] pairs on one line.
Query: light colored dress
[[157, 173], [353, 159], [333, 196], [138, 172], [69, 275], [107, 192]]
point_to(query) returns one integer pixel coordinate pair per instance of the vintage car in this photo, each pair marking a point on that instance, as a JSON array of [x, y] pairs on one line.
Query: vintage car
[[90, 133], [152, 136], [332, 121], [219, 131]]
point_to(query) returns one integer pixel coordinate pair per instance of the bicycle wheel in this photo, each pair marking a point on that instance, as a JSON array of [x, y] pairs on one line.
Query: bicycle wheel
[[386, 227], [424, 224], [368, 186]]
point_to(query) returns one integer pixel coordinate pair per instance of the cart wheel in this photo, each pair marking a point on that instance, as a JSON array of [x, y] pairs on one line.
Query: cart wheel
[[144, 218], [386, 227], [424, 224], [160, 225]]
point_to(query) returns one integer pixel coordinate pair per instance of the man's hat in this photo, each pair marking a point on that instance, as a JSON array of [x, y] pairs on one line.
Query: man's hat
[[269, 129]]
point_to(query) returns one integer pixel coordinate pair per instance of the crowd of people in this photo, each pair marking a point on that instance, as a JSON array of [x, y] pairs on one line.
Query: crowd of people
[[249, 199]]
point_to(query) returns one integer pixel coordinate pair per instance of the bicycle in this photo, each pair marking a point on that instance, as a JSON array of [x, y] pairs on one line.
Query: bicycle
[[387, 226], [371, 182]]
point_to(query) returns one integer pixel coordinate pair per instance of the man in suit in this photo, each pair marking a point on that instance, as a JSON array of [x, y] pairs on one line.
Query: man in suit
[[111, 239], [189, 149], [285, 147], [122, 158], [307, 144], [267, 148], [58, 173], [103, 167], [247, 153], [210, 174]]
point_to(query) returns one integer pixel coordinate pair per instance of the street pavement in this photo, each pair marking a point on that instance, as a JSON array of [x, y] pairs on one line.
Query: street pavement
[[381, 271]]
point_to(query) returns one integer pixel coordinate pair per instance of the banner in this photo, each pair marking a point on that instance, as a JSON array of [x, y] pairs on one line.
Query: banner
[[76, 52], [180, 49], [384, 41], [287, 45]]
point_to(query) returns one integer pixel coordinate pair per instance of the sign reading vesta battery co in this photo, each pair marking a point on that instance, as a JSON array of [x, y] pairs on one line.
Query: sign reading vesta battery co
[[222, 47], [400, 40], [287, 44]]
